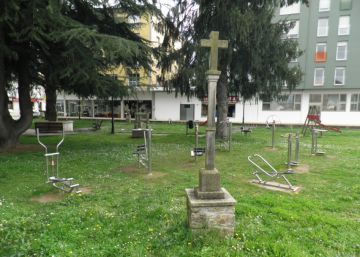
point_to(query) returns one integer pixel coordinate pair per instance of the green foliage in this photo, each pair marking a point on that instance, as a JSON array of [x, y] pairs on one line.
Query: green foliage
[[128, 213], [257, 59]]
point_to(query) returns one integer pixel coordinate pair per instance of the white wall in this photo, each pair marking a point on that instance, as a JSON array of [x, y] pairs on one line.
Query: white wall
[[167, 106]]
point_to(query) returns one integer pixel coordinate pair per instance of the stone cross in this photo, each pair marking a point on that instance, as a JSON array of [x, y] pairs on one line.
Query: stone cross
[[214, 43], [209, 178]]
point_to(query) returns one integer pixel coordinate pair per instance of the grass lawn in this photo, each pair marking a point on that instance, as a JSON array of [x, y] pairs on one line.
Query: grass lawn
[[128, 213]]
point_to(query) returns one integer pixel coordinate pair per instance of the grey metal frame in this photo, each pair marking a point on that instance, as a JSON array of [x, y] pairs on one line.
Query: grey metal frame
[[314, 141], [273, 173], [197, 151], [144, 152], [64, 184]]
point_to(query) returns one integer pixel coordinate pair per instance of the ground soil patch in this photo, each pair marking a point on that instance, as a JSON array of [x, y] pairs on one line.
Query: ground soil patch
[[135, 170], [302, 168], [49, 198]]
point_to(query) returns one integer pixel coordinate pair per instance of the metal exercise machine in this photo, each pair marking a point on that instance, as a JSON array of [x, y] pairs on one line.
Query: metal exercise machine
[[272, 121], [272, 173], [197, 151], [314, 141], [52, 158], [290, 161], [143, 152]]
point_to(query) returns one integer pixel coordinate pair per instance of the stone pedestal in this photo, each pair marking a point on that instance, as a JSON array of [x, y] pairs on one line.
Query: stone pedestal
[[68, 125], [209, 185], [211, 214]]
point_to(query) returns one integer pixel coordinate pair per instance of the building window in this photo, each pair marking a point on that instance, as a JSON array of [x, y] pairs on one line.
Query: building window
[[345, 5], [284, 103], [344, 25], [355, 103], [134, 80], [290, 9], [339, 78], [334, 102], [319, 76], [294, 31], [324, 5], [315, 99], [341, 51], [323, 27], [320, 54], [60, 108]]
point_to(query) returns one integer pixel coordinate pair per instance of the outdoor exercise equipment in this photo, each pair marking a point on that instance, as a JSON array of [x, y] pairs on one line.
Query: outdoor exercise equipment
[[52, 158], [313, 121], [314, 141], [197, 151], [141, 124], [270, 172], [272, 120], [290, 161], [143, 152]]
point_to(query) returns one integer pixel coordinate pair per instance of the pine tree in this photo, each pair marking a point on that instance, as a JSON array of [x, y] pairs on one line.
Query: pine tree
[[256, 63], [64, 45]]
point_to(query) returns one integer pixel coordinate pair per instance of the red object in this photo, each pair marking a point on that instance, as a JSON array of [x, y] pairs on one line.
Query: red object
[[320, 57], [313, 117]]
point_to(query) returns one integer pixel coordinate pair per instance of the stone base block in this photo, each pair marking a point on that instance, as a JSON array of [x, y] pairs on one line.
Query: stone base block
[[68, 126], [211, 214], [137, 133]]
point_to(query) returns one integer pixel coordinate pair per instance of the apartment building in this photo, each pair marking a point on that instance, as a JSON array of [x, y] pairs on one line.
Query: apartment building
[[328, 32]]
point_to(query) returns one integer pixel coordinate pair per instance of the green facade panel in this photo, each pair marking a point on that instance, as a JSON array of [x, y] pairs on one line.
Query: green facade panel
[[308, 17]]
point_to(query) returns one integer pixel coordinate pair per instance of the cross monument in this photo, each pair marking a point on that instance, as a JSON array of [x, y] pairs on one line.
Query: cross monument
[[209, 178], [209, 205]]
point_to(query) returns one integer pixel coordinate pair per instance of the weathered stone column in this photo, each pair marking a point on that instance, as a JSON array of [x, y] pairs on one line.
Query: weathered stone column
[[210, 206], [209, 178]]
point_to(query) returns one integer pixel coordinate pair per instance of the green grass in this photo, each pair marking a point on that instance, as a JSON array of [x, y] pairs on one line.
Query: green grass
[[132, 214]]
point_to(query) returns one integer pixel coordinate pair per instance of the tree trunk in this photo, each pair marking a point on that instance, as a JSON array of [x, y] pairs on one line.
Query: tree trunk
[[222, 106], [112, 116], [50, 113], [10, 130]]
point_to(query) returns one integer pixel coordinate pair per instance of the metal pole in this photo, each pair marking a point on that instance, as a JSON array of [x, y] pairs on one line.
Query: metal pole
[[196, 140], [312, 141], [289, 152], [149, 151], [273, 135], [297, 147], [315, 145]]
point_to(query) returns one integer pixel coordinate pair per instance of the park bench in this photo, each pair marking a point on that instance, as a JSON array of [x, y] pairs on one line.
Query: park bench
[[48, 128]]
